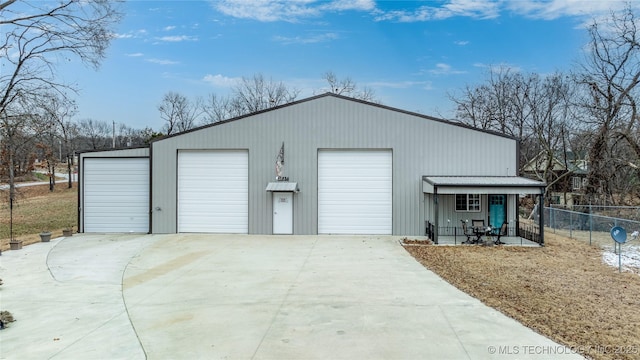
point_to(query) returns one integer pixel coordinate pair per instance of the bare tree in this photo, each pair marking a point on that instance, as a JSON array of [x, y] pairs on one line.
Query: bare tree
[[217, 108], [610, 77], [94, 134], [178, 112], [257, 93], [59, 110], [348, 87], [535, 110], [35, 36], [248, 95]]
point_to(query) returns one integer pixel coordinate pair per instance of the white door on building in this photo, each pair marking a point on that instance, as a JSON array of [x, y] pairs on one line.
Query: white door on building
[[115, 195], [282, 213], [213, 191], [355, 192]]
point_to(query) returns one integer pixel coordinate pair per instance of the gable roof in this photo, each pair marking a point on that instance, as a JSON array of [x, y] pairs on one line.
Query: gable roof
[[329, 94], [575, 163]]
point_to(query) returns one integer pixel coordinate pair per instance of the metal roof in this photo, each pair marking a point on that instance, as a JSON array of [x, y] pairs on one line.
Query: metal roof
[[283, 186], [481, 185]]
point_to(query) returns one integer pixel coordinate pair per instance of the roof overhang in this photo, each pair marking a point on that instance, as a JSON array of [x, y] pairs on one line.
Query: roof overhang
[[481, 185], [282, 186]]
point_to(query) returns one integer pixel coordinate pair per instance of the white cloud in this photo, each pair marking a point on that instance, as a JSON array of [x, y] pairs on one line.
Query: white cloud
[[169, 28], [131, 34], [135, 54], [343, 5], [553, 9], [484, 9], [162, 61], [425, 85], [444, 69], [288, 10], [177, 38], [220, 80], [461, 42], [480, 9], [306, 40]]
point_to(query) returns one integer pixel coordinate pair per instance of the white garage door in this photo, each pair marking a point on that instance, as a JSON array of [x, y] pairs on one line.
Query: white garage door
[[355, 192], [213, 191], [116, 195]]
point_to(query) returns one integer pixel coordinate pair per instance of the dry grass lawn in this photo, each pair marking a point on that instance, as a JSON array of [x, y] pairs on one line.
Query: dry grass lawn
[[563, 291], [35, 210]]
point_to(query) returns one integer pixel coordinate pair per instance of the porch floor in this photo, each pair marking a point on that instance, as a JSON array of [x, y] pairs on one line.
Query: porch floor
[[507, 240]]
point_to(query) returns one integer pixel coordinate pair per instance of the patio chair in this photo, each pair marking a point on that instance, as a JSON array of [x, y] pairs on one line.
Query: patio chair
[[478, 229], [500, 233], [468, 233], [477, 223]]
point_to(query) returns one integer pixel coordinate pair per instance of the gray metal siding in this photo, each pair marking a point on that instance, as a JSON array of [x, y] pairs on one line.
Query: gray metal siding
[[420, 147]]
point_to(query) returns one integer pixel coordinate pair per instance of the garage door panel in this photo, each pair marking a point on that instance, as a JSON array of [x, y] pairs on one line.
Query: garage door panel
[[355, 192], [213, 191], [116, 195]]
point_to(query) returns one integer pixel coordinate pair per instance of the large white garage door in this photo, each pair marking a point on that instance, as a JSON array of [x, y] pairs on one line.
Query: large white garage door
[[213, 191], [116, 195], [355, 192]]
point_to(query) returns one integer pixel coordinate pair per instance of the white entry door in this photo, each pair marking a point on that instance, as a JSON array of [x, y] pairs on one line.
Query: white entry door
[[283, 213]]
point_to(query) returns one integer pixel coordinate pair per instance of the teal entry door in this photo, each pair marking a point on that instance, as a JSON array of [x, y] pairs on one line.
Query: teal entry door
[[497, 210]]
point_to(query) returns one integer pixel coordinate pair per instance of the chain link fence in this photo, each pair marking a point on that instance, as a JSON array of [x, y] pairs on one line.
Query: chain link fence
[[592, 225]]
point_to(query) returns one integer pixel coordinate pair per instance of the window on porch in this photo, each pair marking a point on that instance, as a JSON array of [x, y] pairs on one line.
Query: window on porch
[[468, 202]]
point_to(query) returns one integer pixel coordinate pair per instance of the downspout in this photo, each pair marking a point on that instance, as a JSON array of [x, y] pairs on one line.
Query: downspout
[[80, 194], [436, 220], [150, 188]]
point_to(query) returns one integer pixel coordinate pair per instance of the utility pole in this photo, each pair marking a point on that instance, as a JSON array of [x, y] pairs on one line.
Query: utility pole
[[113, 145]]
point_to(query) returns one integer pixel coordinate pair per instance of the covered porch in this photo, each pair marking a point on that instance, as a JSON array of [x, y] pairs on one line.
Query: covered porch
[[453, 203]]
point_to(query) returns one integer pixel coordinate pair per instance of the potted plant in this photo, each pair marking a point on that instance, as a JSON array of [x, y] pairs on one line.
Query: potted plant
[[67, 231], [45, 236], [15, 244]]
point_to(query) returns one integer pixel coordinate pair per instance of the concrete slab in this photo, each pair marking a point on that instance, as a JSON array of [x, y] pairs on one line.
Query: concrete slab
[[66, 296], [244, 297]]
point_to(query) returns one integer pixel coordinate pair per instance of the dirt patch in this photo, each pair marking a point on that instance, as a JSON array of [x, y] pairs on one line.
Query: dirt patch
[[562, 290], [406, 241]]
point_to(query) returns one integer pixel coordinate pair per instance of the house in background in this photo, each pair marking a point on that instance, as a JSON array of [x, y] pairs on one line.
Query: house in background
[[566, 177], [322, 165]]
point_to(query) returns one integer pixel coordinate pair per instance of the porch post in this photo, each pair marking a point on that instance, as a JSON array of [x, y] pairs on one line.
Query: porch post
[[541, 217], [435, 211]]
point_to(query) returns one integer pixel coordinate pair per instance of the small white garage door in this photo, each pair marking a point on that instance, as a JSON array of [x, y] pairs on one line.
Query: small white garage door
[[355, 192], [116, 195], [213, 191]]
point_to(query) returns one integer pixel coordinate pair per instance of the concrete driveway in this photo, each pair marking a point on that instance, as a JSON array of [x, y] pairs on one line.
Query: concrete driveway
[[245, 297]]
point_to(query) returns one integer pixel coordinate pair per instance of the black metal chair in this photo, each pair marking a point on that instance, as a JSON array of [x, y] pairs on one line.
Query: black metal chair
[[477, 224], [500, 233], [466, 232]]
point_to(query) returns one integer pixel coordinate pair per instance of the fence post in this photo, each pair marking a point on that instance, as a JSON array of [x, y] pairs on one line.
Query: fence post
[[590, 223], [571, 224], [455, 235]]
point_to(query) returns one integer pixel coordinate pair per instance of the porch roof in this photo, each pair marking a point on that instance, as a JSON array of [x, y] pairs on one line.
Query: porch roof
[[282, 186], [481, 185]]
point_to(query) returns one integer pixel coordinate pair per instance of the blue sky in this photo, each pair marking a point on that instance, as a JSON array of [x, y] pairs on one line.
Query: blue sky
[[411, 53]]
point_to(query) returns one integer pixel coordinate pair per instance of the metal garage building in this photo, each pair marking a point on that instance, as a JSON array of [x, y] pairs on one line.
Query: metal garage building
[[350, 167]]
